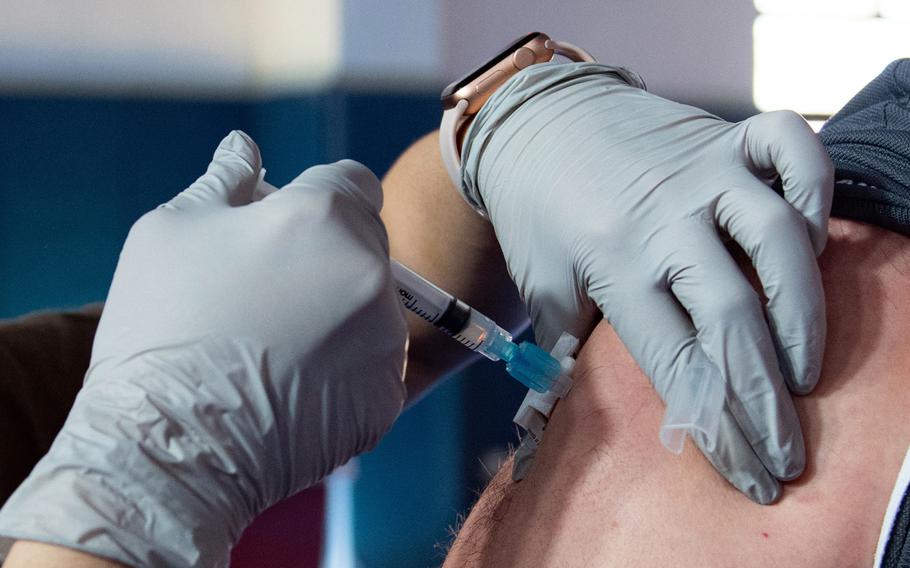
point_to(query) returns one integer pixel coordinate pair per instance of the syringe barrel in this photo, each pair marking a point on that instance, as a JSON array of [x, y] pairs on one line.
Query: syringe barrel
[[429, 301], [527, 363], [467, 326], [481, 334]]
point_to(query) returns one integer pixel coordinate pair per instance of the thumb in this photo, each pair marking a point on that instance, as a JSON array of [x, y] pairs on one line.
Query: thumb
[[229, 180]]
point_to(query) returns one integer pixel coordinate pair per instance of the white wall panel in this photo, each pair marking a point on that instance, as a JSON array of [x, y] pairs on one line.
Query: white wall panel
[[801, 64], [692, 50], [208, 47], [392, 44], [853, 8], [122, 44], [689, 49], [294, 44]]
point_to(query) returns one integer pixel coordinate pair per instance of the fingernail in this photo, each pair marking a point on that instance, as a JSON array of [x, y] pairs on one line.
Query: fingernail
[[237, 148], [790, 459], [809, 380], [364, 181], [233, 141], [764, 494], [793, 470]]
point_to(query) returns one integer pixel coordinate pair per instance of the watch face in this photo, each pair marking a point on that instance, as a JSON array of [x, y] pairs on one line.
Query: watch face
[[452, 88]]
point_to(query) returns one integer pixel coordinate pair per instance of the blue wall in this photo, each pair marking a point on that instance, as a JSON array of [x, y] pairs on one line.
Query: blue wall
[[75, 173]]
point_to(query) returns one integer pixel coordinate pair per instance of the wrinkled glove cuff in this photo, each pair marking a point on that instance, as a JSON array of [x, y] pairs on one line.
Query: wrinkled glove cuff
[[72, 506], [143, 481]]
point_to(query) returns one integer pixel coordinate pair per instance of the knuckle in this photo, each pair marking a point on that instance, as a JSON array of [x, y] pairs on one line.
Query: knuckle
[[785, 119], [148, 224], [370, 419], [778, 123], [345, 203], [376, 282], [336, 208], [346, 178], [357, 173], [781, 219], [733, 305], [291, 214], [598, 236], [347, 208], [822, 173]]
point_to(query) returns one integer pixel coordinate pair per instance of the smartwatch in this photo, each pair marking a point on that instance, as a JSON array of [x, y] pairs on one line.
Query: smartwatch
[[465, 97]]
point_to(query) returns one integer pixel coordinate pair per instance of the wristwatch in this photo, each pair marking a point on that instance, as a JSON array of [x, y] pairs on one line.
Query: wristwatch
[[465, 97]]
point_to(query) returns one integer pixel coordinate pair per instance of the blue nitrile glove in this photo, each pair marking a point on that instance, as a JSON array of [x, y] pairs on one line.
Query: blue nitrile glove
[[606, 198], [245, 351]]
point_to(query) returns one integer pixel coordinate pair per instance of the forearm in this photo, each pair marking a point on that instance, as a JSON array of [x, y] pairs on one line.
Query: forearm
[[433, 231], [39, 555]]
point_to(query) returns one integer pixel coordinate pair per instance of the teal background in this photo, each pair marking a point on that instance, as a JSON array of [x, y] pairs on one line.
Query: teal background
[[75, 173]]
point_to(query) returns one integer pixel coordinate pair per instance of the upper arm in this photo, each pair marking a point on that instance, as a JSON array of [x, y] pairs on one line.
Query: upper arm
[[603, 491], [480, 529], [434, 232]]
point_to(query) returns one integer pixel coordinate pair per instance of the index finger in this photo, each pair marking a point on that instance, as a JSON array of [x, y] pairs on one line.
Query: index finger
[[732, 331], [784, 142]]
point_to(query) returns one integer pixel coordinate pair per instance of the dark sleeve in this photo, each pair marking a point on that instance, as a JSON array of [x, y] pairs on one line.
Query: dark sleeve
[[869, 143], [43, 359]]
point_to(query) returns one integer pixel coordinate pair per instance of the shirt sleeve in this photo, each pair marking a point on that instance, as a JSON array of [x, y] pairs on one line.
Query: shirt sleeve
[[43, 360]]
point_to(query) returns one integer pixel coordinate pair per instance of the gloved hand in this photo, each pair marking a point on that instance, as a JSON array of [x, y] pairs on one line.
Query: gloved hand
[[246, 350], [606, 197]]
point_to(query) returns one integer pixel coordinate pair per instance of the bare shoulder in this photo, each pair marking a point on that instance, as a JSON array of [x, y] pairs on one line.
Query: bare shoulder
[[602, 491]]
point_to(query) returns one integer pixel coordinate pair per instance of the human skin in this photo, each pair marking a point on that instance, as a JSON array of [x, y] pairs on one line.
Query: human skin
[[434, 231], [30, 553], [603, 492]]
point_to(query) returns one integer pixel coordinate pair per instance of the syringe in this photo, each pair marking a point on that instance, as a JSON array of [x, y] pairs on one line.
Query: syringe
[[695, 400], [529, 364]]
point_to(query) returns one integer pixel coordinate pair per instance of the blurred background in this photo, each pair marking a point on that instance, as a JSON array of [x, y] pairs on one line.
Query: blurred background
[[110, 107]]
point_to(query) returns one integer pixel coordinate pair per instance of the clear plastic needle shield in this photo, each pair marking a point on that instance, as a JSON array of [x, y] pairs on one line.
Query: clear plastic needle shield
[[695, 401]]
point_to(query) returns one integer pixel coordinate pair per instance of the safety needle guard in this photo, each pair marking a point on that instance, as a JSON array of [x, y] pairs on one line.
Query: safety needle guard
[[534, 412]]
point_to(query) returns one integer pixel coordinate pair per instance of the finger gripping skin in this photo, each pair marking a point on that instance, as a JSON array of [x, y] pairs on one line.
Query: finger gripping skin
[[595, 187], [733, 458], [781, 218]]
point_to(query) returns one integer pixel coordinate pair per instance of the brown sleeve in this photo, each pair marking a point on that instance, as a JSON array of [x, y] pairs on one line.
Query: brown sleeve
[[43, 359]]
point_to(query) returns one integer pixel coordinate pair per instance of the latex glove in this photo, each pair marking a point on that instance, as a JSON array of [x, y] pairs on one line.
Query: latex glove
[[245, 350], [606, 197]]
